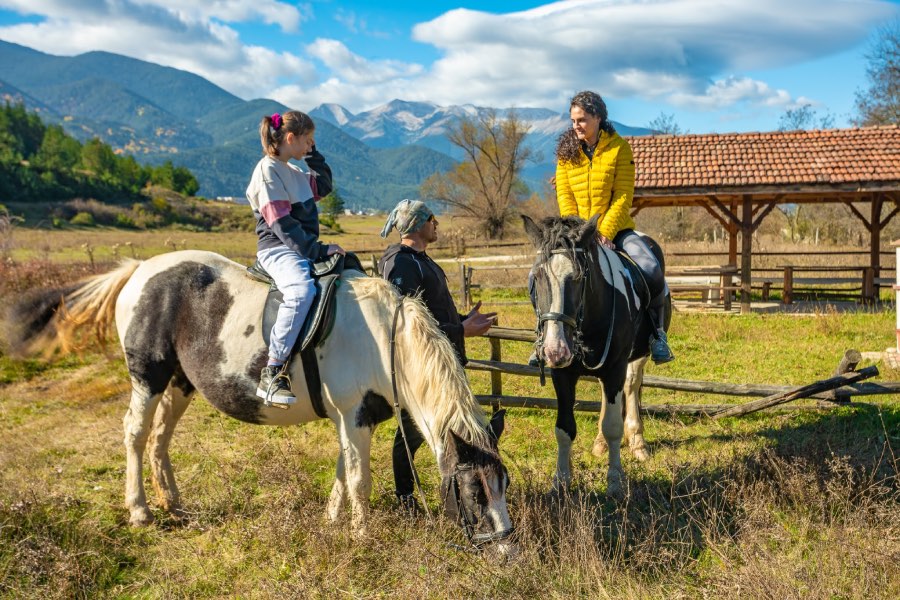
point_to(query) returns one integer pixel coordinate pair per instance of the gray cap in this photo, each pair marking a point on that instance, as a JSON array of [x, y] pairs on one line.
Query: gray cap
[[408, 216]]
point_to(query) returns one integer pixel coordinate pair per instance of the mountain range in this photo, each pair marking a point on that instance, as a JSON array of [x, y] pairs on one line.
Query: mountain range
[[160, 113]]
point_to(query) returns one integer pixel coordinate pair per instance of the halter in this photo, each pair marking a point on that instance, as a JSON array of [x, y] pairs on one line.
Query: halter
[[476, 540], [576, 321]]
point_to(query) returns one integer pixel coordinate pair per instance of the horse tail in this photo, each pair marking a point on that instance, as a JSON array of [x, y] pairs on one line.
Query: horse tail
[[52, 319]]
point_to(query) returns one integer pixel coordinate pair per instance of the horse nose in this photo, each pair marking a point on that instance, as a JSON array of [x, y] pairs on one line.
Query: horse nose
[[557, 353]]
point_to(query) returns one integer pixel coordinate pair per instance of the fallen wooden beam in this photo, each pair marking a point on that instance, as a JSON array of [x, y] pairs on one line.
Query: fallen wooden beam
[[797, 393], [648, 409]]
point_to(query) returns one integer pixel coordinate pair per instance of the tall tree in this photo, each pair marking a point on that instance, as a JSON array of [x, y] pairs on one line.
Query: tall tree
[[880, 103], [486, 184]]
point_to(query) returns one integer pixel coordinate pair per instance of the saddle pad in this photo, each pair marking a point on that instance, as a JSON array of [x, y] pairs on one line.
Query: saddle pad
[[625, 276]]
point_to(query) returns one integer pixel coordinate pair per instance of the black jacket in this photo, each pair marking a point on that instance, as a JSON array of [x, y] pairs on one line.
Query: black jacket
[[413, 272]]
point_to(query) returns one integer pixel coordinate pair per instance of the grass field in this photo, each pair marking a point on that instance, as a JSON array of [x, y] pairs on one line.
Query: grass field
[[790, 504]]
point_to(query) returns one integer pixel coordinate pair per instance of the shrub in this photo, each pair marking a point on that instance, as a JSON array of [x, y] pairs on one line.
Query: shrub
[[85, 219]]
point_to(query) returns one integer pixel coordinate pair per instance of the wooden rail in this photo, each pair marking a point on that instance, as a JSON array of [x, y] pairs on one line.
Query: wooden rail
[[826, 396]]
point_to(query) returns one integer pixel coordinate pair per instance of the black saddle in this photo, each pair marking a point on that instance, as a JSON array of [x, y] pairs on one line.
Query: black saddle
[[320, 319]]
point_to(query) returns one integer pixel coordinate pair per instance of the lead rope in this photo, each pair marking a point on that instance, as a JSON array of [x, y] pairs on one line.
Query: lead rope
[[409, 456]]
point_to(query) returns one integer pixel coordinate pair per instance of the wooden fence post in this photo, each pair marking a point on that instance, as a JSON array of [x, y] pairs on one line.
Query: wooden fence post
[[496, 376], [787, 294], [463, 287]]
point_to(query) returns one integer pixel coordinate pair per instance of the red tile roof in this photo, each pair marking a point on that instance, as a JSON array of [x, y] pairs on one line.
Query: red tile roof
[[733, 160]]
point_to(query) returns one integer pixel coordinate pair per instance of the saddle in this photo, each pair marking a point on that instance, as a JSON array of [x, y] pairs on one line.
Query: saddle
[[319, 320]]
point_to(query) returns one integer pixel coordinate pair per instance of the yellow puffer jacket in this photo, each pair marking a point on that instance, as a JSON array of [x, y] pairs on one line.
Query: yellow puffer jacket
[[603, 185]]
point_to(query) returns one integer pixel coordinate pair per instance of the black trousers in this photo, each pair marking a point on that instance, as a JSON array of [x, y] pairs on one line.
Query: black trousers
[[633, 244], [404, 485]]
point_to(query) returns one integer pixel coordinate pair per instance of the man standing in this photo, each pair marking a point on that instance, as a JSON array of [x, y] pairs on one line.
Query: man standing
[[413, 272]]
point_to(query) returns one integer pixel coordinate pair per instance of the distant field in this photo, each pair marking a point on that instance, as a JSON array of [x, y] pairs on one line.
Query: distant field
[[777, 505]]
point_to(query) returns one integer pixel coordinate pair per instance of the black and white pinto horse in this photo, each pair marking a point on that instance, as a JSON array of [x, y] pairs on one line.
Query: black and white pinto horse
[[191, 321], [591, 305]]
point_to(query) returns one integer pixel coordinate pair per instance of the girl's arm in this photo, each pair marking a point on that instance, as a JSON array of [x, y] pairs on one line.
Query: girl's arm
[[316, 163]]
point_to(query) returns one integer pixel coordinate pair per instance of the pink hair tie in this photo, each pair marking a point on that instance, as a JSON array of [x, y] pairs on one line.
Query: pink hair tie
[[276, 121]]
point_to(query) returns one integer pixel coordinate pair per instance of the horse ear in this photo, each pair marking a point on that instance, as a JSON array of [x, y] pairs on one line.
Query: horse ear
[[533, 230], [498, 424], [588, 231]]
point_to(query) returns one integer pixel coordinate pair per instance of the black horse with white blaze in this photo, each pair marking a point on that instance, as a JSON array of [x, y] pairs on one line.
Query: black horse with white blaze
[[591, 303]]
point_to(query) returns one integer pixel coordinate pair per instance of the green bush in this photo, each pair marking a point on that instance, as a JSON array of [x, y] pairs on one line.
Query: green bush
[[85, 219], [124, 221]]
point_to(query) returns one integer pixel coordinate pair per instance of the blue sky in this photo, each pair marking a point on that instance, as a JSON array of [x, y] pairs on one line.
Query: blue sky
[[716, 65]]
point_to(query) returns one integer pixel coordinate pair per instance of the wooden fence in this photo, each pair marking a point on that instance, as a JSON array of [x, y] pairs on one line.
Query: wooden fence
[[825, 397], [714, 284]]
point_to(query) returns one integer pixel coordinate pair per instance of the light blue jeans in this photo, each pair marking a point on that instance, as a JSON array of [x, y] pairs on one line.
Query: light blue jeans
[[292, 276]]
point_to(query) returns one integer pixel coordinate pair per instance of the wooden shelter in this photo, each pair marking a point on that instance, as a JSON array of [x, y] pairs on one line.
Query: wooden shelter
[[740, 177]]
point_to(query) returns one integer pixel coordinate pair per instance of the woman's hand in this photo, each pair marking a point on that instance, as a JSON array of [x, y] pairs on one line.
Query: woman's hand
[[335, 249], [605, 241]]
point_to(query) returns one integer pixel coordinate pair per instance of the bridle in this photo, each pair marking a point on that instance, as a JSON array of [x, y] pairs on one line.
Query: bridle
[[464, 516], [582, 262], [476, 540]]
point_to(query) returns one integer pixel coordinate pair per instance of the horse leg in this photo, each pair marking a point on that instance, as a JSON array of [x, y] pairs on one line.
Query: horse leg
[[564, 381], [613, 425], [356, 446], [599, 448], [634, 425], [338, 491], [137, 423], [172, 406]]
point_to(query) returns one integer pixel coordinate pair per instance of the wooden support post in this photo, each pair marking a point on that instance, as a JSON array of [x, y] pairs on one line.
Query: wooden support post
[[869, 295], [787, 295], [875, 247], [797, 393], [463, 287], [746, 250]]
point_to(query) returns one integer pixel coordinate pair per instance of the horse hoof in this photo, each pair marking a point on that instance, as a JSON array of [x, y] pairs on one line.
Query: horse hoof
[[140, 517], [640, 453], [615, 485], [600, 448]]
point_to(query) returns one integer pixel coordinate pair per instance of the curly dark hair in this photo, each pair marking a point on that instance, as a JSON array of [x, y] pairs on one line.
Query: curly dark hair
[[568, 146]]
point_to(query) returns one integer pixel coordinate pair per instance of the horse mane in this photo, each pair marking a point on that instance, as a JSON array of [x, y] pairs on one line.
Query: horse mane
[[561, 233], [430, 373]]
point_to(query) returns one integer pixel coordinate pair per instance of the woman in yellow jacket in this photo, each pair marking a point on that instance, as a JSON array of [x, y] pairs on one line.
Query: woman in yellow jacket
[[595, 174]]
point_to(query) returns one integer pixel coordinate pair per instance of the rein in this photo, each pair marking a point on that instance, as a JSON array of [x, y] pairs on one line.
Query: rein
[[576, 321]]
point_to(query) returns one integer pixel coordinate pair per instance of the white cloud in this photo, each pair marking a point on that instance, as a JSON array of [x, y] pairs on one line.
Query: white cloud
[[693, 54], [653, 50], [189, 36]]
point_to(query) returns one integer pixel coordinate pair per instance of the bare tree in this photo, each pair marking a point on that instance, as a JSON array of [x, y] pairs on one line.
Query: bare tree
[[880, 103], [666, 125], [804, 117], [486, 184]]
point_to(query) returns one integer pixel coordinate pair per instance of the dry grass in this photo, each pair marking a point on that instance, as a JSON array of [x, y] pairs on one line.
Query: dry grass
[[776, 505]]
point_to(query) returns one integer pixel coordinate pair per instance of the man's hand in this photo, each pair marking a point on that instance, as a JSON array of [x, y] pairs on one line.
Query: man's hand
[[335, 249], [476, 323]]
